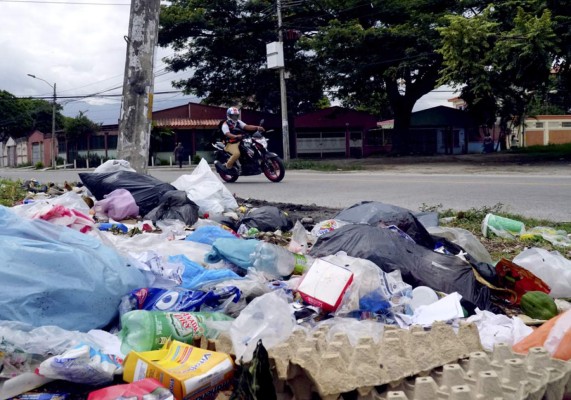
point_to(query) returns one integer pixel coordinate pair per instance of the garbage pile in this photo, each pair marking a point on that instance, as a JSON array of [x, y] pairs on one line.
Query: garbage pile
[[129, 287]]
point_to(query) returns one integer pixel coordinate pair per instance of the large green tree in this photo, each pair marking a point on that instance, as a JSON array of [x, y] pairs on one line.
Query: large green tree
[[222, 44], [80, 128], [501, 56], [382, 51], [20, 116]]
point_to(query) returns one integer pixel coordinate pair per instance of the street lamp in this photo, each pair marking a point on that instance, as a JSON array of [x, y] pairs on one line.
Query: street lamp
[[53, 144]]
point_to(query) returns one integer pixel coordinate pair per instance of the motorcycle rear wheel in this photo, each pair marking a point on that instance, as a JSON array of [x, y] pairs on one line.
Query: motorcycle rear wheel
[[228, 178], [274, 169]]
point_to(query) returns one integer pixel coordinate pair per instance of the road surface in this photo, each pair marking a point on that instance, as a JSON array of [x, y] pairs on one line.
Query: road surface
[[536, 192]]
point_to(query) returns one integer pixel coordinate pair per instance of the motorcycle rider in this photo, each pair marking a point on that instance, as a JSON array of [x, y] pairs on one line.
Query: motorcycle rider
[[231, 128]]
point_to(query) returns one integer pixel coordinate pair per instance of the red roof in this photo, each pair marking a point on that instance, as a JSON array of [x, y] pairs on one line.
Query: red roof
[[186, 123]]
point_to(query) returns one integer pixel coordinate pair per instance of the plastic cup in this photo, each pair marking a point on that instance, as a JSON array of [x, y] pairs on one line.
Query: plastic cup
[[422, 296], [493, 222]]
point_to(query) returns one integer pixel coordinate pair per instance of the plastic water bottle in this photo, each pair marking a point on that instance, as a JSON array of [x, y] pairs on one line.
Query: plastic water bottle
[[279, 262], [143, 330]]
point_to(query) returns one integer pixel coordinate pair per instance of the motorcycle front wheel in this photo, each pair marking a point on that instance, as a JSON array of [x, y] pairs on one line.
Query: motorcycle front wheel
[[274, 169]]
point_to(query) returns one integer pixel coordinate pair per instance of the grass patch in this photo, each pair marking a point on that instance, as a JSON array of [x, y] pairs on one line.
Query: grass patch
[[322, 165], [498, 247], [551, 151], [11, 192]]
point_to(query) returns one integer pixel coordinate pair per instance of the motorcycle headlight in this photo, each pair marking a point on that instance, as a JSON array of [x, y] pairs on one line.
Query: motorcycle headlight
[[263, 142], [247, 140]]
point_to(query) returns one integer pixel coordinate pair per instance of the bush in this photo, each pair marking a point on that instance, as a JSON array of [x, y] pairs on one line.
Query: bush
[[39, 165], [196, 159]]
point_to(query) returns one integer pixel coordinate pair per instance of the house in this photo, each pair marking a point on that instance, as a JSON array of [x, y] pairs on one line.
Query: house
[[14, 152], [40, 148], [440, 130], [335, 131], [541, 130]]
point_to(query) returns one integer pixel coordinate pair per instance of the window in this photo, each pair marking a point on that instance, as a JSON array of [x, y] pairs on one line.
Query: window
[[539, 124], [566, 124]]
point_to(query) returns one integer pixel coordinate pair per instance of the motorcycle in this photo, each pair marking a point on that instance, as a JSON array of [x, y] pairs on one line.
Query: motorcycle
[[254, 159]]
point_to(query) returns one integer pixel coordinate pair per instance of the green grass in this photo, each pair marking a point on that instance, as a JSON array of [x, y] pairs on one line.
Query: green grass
[[471, 220], [551, 151], [11, 192], [322, 165]]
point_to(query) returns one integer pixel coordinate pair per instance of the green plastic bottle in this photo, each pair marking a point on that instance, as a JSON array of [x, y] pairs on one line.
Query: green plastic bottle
[[143, 330]]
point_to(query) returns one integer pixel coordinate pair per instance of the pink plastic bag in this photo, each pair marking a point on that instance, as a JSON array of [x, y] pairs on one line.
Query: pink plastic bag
[[119, 204]]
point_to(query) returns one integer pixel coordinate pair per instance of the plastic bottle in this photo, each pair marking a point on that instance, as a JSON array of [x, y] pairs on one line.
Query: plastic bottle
[[143, 330], [277, 261]]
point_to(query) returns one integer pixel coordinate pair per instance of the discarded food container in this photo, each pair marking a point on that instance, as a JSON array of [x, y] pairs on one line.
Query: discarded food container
[[422, 296], [325, 284], [494, 224], [189, 372]]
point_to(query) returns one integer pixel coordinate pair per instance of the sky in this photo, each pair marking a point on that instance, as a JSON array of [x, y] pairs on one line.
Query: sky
[[79, 45]]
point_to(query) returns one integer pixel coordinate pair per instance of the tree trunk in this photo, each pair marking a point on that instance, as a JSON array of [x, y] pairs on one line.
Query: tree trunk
[[403, 143]]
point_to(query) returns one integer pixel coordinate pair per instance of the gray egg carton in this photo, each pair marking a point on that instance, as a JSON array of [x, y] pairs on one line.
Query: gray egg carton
[[501, 375], [309, 363]]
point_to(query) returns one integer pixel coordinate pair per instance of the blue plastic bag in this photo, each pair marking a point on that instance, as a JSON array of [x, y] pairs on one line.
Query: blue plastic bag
[[54, 275], [208, 234], [195, 276], [235, 251]]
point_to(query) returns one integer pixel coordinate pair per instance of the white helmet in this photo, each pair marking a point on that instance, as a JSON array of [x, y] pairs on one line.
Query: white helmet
[[233, 113]]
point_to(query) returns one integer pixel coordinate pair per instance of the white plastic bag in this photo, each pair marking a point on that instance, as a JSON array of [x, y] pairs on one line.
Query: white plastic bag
[[549, 266], [206, 190], [497, 328], [114, 165], [298, 243], [268, 317]]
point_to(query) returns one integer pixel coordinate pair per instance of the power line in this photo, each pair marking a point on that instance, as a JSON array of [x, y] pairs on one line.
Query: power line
[[65, 2]]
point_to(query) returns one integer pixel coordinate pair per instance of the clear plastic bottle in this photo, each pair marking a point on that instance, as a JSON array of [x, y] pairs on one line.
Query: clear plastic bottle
[[277, 261]]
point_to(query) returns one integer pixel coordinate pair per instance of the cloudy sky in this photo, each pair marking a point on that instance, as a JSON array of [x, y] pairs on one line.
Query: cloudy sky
[[79, 45]]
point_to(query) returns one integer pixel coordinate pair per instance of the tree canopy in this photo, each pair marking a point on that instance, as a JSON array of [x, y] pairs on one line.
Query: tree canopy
[[21, 116], [501, 56], [222, 43]]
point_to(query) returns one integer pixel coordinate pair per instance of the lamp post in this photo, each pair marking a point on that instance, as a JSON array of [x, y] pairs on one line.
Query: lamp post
[[53, 144]]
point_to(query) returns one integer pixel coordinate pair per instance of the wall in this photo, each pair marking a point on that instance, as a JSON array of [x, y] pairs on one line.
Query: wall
[[542, 130]]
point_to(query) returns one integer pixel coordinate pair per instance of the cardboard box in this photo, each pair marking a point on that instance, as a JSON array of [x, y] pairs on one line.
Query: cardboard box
[[325, 284], [189, 372]]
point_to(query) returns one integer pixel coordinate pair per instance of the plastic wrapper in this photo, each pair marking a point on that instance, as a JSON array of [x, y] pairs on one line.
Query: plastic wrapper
[[114, 166], [144, 389], [118, 205], [53, 275], [267, 219], [196, 276], [419, 266], [553, 236], [235, 251], [208, 234], [554, 335], [299, 240], [146, 190], [178, 299], [328, 225]]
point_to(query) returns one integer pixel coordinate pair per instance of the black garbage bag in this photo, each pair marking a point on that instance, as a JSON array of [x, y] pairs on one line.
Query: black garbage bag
[[146, 190], [267, 219], [418, 265], [380, 214], [174, 204]]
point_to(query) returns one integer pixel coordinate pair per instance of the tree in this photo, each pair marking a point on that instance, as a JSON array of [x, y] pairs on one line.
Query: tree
[[381, 52], [20, 116], [500, 56], [80, 128], [223, 44]]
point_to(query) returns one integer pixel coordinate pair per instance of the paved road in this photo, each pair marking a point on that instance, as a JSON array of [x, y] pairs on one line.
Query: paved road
[[540, 193]]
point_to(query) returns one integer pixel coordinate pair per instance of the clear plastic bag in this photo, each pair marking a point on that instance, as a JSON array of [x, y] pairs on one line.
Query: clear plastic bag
[[549, 266], [269, 318]]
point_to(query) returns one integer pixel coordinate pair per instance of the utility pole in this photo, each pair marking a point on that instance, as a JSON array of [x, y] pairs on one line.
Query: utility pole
[[283, 93], [137, 102]]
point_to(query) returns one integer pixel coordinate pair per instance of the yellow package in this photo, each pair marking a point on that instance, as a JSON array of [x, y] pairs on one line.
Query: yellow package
[[189, 372]]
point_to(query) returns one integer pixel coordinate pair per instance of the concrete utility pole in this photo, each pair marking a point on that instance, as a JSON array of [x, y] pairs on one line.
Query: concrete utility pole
[[137, 103], [283, 94]]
